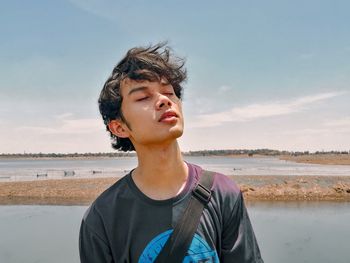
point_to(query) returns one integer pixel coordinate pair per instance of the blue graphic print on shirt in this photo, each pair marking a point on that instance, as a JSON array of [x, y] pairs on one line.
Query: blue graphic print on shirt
[[199, 251]]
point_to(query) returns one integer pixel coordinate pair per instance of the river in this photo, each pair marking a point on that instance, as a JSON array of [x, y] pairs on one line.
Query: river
[[286, 232], [34, 169]]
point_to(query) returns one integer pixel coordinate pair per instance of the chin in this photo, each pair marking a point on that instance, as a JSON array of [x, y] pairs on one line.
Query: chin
[[177, 135], [172, 135], [177, 132]]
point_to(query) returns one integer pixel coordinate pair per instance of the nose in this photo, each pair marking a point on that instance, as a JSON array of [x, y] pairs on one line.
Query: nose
[[163, 101]]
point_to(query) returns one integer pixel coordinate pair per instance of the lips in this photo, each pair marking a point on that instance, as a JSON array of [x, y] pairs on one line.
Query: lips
[[167, 114]]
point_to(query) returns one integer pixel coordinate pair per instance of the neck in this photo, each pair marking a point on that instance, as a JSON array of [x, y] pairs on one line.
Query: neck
[[161, 172]]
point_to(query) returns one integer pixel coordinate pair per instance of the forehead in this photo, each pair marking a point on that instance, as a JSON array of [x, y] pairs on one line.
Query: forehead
[[128, 84]]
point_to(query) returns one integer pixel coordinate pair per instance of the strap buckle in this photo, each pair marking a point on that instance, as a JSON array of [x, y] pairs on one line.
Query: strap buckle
[[202, 193]]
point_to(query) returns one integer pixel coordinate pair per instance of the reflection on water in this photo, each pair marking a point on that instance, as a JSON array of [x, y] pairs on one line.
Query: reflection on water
[[286, 232], [302, 232], [39, 234], [22, 169]]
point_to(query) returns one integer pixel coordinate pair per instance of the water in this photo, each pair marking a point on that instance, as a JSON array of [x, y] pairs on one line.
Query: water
[[24, 169], [32, 169], [286, 232], [39, 234], [302, 232]]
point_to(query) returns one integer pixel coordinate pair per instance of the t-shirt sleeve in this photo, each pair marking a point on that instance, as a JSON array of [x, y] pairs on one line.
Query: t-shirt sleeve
[[238, 239], [92, 247]]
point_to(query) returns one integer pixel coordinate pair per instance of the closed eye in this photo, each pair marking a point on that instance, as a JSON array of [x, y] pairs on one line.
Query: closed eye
[[143, 98]]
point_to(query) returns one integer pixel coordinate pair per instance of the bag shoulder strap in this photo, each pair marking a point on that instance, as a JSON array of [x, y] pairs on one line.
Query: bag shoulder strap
[[179, 241]]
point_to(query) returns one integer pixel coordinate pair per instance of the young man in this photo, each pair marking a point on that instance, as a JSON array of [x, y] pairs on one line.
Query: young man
[[130, 222]]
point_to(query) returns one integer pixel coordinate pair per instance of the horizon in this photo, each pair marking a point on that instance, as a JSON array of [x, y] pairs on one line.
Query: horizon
[[263, 75], [243, 151]]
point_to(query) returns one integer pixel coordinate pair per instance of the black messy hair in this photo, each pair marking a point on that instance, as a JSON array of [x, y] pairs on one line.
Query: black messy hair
[[150, 63]]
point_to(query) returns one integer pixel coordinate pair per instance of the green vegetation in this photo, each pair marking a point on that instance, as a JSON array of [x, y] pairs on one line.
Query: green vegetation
[[66, 155], [266, 152]]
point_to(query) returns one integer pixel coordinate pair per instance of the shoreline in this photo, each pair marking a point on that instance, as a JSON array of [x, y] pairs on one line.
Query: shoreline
[[83, 191], [294, 188], [323, 159]]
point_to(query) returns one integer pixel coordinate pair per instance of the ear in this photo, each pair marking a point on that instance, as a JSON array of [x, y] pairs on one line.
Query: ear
[[118, 128]]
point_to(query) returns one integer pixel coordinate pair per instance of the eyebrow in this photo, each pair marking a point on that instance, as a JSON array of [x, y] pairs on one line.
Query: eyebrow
[[142, 88]]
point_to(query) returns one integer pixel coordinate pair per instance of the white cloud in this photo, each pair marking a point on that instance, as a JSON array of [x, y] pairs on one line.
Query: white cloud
[[108, 9], [63, 133], [224, 89], [64, 115], [198, 103], [307, 131], [262, 110], [66, 126], [339, 122], [92, 7]]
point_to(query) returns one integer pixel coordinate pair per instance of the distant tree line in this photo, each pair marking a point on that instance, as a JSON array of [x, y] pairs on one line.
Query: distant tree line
[[267, 152], [235, 152], [68, 155]]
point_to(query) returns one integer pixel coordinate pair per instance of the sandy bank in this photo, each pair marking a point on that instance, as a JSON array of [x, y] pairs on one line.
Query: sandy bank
[[295, 188], [335, 159], [264, 188], [57, 192]]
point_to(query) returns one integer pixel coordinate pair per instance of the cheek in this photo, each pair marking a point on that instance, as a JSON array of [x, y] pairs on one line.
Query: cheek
[[140, 113], [179, 105]]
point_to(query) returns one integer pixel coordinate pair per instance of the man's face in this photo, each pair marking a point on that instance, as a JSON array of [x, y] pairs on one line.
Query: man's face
[[153, 112]]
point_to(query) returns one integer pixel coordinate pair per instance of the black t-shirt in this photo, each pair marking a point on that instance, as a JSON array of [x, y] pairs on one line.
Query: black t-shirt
[[124, 225]]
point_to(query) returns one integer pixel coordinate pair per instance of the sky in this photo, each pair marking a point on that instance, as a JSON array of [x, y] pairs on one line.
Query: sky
[[261, 74]]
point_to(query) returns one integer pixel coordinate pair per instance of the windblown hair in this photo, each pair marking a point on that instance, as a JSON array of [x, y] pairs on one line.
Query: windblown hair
[[140, 63]]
